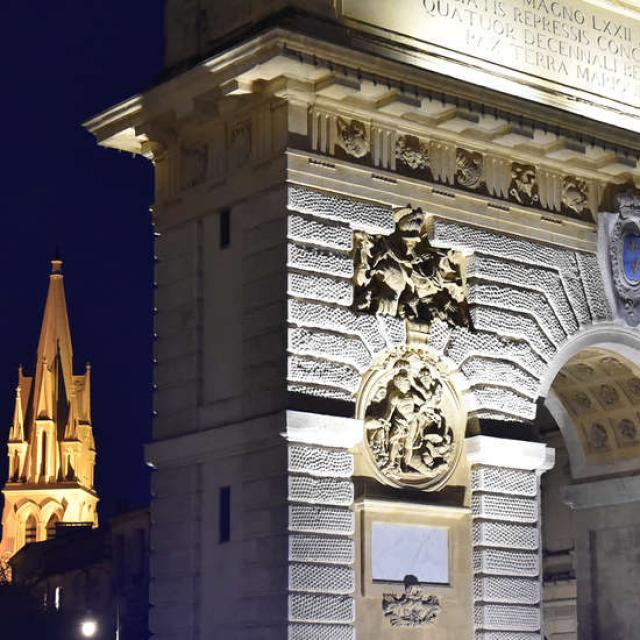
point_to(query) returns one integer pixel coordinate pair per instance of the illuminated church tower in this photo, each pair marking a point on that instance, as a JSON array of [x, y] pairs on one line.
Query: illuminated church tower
[[51, 447]]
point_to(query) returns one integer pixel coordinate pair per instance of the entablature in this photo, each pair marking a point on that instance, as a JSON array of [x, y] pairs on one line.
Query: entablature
[[283, 90]]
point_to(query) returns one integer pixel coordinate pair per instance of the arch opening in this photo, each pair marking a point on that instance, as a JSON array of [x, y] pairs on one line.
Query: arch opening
[[591, 417]]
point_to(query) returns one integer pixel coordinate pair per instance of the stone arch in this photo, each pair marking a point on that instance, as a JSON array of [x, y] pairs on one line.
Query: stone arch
[[528, 300], [27, 514], [50, 511], [591, 389], [601, 348]]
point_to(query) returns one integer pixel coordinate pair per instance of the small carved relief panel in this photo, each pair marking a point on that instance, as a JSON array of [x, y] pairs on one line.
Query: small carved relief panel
[[193, 165], [411, 421], [413, 608], [598, 437], [469, 169], [402, 275], [412, 153], [633, 389], [524, 186], [575, 198], [240, 143], [353, 137], [626, 432]]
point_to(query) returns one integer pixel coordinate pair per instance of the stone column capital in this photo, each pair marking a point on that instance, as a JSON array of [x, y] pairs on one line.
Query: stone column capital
[[512, 454]]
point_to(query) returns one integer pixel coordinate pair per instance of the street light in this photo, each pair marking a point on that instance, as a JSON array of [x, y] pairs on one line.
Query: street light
[[88, 628]]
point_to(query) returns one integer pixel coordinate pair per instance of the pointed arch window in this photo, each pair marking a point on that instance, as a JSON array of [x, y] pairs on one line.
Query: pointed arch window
[[51, 526], [30, 529]]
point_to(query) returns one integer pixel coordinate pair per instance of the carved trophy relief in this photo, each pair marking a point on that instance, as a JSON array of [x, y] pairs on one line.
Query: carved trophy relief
[[412, 153], [469, 169], [410, 421], [352, 137], [402, 275], [575, 198], [524, 186], [413, 608]]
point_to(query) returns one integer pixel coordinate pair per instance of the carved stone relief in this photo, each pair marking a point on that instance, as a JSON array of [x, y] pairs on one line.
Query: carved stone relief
[[413, 608], [412, 153], [524, 186], [193, 165], [402, 275], [575, 198], [410, 421], [607, 395], [627, 432], [598, 437], [624, 256], [240, 143], [441, 161], [633, 384], [468, 169], [353, 138]]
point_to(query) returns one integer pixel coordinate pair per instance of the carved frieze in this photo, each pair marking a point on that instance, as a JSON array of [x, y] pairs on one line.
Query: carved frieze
[[412, 153], [353, 137], [624, 256], [411, 420], [468, 169], [413, 608], [402, 275], [444, 162], [524, 186]]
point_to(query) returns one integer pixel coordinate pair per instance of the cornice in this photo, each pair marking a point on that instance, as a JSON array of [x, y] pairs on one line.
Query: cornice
[[116, 127]]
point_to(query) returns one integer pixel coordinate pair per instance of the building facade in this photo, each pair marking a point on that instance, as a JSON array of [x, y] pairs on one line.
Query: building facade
[[85, 573], [398, 274], [51, 447]]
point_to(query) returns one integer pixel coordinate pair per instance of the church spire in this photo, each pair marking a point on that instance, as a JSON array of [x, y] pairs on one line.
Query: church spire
[[55, 335], [51, 446]]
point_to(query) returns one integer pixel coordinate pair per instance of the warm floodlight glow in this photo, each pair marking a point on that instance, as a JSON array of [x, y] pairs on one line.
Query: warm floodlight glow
[[88, 628], [506, 40]]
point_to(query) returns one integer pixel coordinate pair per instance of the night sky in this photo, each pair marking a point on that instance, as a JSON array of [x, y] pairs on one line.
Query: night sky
[[64, 61]]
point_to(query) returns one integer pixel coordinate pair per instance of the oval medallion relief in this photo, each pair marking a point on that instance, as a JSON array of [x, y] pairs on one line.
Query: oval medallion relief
[[631, 257], [413, 420]]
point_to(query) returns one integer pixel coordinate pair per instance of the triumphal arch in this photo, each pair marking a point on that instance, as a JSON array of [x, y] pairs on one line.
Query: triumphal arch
[[398, 296]]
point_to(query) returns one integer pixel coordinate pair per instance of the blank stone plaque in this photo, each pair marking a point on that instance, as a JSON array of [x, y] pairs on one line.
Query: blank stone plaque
[[399, 550]]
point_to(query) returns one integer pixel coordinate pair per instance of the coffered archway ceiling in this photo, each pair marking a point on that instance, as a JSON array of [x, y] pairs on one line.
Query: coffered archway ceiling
[[601, 392]]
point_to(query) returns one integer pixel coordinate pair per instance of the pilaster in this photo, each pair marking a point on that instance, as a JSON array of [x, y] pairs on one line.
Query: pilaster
[[321, 527], [505, 486]]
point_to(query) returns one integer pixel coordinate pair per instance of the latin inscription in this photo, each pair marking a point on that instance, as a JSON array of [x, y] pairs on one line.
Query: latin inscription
[[574, 44]]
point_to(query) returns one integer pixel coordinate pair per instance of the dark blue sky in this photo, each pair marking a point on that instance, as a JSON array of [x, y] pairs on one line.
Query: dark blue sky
[[63, 61]]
